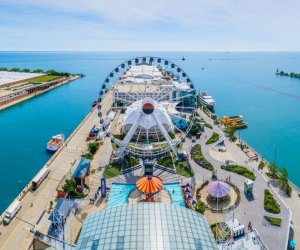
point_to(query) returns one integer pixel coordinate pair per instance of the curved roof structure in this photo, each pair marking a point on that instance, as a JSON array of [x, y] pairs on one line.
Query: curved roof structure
[[147, 122], [146, 226], [218, 189], [149, 184]]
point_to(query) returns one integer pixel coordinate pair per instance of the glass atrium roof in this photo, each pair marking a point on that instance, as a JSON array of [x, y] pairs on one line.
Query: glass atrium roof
[[146, 226]]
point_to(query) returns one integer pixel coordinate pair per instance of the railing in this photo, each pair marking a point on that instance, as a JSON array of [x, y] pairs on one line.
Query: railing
[[165, 169]]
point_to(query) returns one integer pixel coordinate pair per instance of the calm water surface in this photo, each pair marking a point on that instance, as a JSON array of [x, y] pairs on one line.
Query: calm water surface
[[241, 83]]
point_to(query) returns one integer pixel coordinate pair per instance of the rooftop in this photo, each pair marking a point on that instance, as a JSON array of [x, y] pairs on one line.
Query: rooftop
[[146, 226], [11, 77]]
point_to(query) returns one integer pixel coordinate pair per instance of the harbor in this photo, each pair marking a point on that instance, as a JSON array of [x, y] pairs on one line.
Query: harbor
[[27, 226]]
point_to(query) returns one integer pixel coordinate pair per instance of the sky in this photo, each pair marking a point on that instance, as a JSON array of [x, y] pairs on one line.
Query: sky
[[155, 25]]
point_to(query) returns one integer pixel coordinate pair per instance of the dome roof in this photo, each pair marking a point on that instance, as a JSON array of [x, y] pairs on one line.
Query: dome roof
[[218, 189], [147, 122]]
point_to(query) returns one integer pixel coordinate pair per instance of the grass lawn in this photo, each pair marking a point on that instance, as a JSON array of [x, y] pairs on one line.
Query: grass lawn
[[198, 157], [214, 138], [183, 168], [274, 221], [270, 204], [239, 170], [45, 78], [130, 161], [166, 162], [112, 170]]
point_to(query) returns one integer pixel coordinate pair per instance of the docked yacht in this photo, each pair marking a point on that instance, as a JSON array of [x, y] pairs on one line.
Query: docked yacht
[[207, 100], [55, 143]]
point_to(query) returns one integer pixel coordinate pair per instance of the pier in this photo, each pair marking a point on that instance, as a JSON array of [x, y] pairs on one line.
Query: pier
[[15, 94]]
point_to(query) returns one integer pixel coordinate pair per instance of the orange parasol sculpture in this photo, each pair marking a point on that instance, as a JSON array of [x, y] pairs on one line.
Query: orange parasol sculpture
[[149, 185]]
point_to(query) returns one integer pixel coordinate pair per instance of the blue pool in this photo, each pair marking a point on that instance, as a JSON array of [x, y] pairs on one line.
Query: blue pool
[[119, 193], [174, 190]]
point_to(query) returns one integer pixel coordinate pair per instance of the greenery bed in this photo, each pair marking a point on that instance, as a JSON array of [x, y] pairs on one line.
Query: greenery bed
[[270, 204], [239, 170], [112, 170], [198, 157], [208, 125], [274, 221], [184, 169], [214, 138], [166, 162]]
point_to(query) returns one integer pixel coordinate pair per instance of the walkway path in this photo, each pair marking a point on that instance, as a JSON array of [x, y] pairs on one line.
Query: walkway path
[[247, 210]]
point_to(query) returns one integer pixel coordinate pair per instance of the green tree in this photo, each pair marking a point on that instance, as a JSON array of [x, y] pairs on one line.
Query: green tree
[[26, 70], [69, 186], [273, 169], [200, 207], [15, 69], [38, 71], [3, 69], [283, 178], [93, 147], [52, 72]]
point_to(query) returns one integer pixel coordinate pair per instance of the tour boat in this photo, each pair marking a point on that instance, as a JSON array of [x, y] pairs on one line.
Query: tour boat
[[55, 143], [207, 100]]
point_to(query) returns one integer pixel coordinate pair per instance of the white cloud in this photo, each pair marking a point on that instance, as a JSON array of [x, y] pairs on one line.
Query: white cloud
[[197, 24]]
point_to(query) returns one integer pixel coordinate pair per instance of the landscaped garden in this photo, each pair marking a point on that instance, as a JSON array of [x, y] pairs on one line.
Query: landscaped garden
[[239, 170], [184, 169], [220, 230], [270, 204], [214, 138], [198, 157]]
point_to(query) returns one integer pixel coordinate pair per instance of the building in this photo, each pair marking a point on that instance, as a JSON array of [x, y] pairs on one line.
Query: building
[[146, 226]]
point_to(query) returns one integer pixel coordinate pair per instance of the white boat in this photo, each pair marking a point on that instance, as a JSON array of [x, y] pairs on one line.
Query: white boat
[[207, 100], [55, 143]]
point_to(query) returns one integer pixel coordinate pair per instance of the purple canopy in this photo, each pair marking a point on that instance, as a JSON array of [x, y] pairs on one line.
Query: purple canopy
[[218, 189]]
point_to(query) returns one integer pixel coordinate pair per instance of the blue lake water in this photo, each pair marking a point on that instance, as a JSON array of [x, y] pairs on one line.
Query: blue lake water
[[241, 83]]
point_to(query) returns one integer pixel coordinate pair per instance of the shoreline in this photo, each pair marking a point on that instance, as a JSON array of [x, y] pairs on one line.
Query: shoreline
[[37, 93]]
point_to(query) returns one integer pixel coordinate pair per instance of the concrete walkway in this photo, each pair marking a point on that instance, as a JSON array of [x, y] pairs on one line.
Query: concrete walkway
[[247, 210]]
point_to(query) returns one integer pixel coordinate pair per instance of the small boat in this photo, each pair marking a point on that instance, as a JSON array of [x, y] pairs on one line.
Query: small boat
[[94, 103], [207, 100], [183, 59], [236, 118], [55, 143], [240, 125]]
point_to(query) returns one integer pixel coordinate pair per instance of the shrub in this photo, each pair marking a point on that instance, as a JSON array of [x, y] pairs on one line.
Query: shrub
[[270, 204], [200, 207], [130, 161], [261, 165], [239, 170], [214, 138], [93, 147], [289, 191], [89, 156], [183, 168], [166, 161]]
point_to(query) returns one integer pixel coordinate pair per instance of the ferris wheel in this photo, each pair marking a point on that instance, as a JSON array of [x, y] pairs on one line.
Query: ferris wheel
[[147, 107]]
